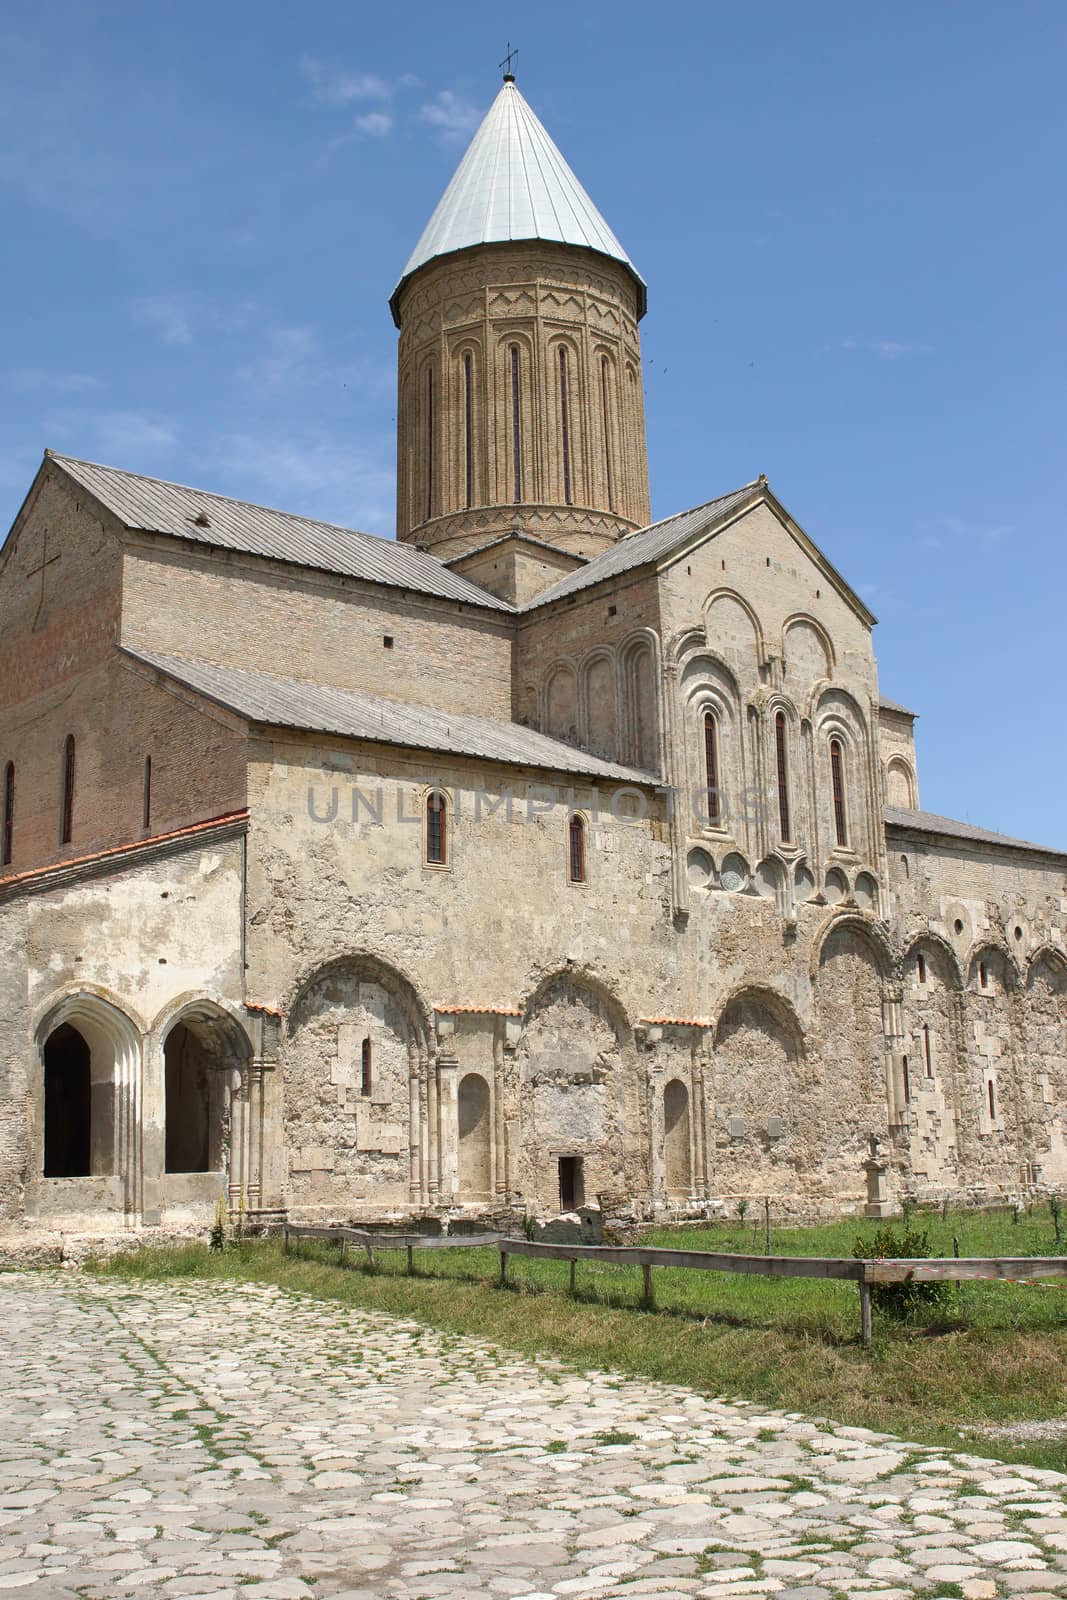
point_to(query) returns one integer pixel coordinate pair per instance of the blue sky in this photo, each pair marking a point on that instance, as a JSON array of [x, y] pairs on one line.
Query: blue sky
[[850, 216]]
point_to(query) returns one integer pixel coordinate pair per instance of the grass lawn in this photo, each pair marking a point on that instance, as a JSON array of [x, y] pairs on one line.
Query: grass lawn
[[996, 1352]]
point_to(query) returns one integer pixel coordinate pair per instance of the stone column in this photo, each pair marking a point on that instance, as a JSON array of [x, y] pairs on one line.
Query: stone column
[[448, 1120], [675, 774], [415, 1166], [254, 1157], [238, 1122], [433, 1133], [647, 1038]]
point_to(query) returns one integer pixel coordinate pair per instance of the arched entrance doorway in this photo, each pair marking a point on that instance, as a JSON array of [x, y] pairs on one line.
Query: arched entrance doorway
[[68, 1109]]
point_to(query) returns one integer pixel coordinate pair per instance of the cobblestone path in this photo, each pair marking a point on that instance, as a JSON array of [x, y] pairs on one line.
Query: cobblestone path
[[224, 1441]]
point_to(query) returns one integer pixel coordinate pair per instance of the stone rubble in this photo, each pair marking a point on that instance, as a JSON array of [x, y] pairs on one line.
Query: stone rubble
[[216, 1441]]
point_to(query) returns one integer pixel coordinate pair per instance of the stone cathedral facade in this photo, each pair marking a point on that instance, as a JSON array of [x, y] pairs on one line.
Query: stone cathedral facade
[[539, 857]]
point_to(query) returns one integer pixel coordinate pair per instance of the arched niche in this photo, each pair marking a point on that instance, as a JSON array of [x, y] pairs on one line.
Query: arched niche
[[561, 704], [852, 1072], [579, 1103], [474, 1110], [901, 788], [204, 1047], [677, 1146], [598, 678], [641, 700], [808, 653], [733, 632]]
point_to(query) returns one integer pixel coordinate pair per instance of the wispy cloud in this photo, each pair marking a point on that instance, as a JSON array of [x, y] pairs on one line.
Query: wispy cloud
[[450, 115], [334, 85], [951, 530], [888, 349], [44, 380], [313, 472], [178, 318], [120, 438], [375, 123]]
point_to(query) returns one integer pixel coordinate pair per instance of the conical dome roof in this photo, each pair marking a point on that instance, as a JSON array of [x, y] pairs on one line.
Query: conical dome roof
[[513, 183]]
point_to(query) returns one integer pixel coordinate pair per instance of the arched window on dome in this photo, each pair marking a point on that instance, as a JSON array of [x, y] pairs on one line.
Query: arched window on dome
[[468, 428], [565, 424], [515, 358], [605, 409], [429, 441]]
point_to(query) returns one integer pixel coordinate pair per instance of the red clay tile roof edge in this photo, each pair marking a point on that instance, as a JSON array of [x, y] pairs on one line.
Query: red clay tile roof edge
[[122, 849]]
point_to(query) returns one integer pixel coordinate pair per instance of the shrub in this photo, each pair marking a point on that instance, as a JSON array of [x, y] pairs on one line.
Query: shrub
[[902, 1300]]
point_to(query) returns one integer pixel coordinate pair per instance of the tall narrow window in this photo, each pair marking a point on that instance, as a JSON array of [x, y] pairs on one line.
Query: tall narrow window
[[907, 1080], [436, 818], [429, 441], [565, 424], [920, 967], [711, 767], [66, 831], [837, 774], [605, 407], [468, 426], [9, 814], [992, 1093], [783, 777], [983, 975], [576, 850], [365, 1068], [146, 794], [927, 1052], [516, 423]]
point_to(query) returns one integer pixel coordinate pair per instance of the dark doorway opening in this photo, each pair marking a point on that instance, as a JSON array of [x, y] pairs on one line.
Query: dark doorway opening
[[68, 1099], [571, 1187], [188, 1094]]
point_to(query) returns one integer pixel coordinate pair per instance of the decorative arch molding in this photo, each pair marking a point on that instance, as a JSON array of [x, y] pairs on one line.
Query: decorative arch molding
[[930, 940], [774, 1003], [1049, 955], [726, 593], [995, 947], [694, 684], [365, 964], [830, 704], [805, 619], [898, 764], [679, 644], [94, 1002], [222, 1022], [869, 929], [638, 696], [580, 978], [775, 701]]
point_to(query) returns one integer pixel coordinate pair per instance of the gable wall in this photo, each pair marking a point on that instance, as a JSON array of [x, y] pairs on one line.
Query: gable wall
[[317, 628]]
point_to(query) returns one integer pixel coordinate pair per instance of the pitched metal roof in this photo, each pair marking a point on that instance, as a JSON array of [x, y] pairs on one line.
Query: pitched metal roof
[[930, 822], [513, 183], [891, 705], [320, 708], [637, 549], [153, 505]]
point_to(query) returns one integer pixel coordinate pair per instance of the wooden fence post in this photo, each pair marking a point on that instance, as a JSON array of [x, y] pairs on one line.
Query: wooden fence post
[[574, 1263], [503, 1269], [649, 1294], [865, 1309], [411, 1258], [285, 1246]]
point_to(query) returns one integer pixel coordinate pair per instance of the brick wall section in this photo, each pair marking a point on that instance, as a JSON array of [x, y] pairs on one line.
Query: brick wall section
[[60, 674], [318, 628]]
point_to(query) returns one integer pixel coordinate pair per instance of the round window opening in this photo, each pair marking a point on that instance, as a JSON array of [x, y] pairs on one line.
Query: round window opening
[[958, 925], [1018, 933]]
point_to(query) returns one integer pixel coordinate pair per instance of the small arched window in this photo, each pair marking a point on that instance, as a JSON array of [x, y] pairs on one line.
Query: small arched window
[[436, 829], [9, 815], [516, 423], [365, 1068], [711, 767], [576, 850], [781, 761], [66, 832], [837, 775], [927, 1051], [920, 967]]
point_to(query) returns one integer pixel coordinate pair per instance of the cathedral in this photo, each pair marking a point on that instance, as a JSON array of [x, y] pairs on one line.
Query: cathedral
[[542, 857]]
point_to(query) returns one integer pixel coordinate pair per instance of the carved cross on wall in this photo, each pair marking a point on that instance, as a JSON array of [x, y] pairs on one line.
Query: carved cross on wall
[[45, 562]]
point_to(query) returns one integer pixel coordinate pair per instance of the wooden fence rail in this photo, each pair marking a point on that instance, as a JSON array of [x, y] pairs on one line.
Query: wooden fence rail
[[863, 1273]]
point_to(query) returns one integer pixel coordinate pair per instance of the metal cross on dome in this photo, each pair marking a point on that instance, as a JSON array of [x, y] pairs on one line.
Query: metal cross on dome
[[509, 76]]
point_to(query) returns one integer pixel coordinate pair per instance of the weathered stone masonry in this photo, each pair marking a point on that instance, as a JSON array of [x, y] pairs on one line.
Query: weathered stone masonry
[[572, 862]]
